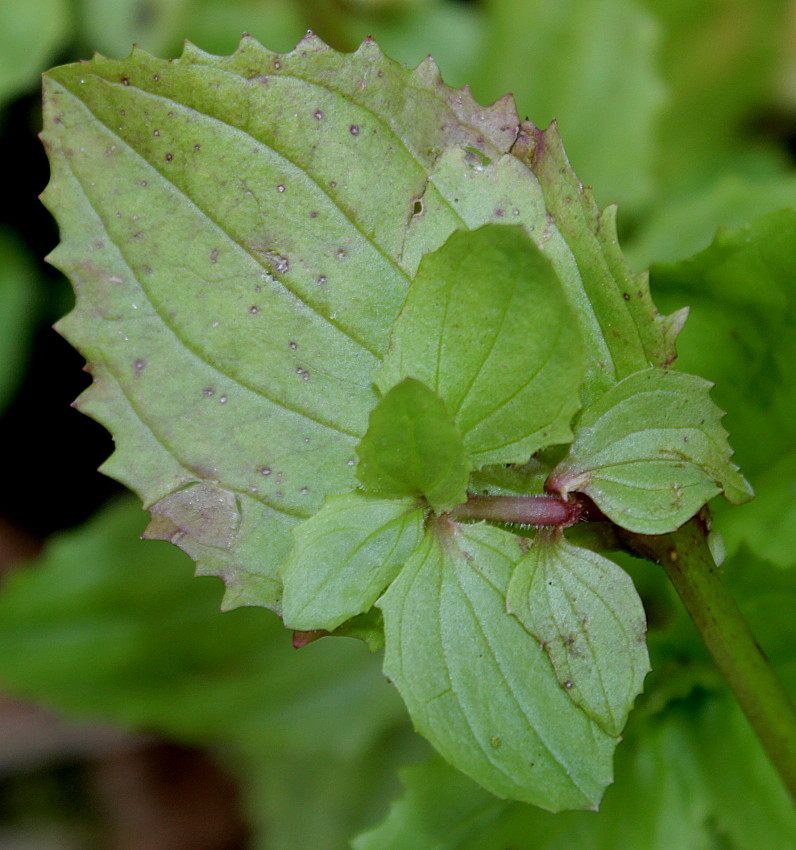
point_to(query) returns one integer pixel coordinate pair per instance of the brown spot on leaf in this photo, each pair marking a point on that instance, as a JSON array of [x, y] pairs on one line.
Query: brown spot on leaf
[[206, 513]]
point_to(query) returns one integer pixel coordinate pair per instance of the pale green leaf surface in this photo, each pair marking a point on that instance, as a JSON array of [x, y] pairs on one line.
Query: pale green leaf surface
[[651, 452], [477, 685], [487, 327], [413, 448], [585, 612], [592, 65], [345, 556], [187, 290], [19, 296], [740, 334], [30, 34]]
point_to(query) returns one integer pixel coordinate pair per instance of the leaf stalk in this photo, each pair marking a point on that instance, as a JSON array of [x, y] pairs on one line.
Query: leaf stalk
[[521, 510]]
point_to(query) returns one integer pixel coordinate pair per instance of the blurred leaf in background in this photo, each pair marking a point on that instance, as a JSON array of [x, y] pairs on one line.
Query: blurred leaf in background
[[106, 627], [742, 292], [30, 33], [592, 65]]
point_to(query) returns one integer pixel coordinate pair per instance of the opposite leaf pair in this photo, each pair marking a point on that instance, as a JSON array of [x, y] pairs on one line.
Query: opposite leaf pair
[[473, 613]]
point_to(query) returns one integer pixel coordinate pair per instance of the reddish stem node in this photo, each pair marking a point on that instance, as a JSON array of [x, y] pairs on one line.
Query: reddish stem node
[[521, 510]]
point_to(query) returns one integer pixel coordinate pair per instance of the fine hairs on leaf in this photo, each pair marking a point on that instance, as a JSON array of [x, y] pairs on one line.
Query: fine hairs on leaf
[[338, 317]]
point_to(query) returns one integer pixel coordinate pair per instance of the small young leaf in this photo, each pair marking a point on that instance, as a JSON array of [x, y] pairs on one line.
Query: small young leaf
[[345, 556], [650, 452], [413, 448], [487, 326], [477, 685], [585, 612]]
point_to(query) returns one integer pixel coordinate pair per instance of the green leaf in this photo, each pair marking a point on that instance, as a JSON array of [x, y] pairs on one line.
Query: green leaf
[[477, 685], [651, 452], [487, 327], [30, 34], [345, 556], [238, 269], [413, 448], [585, 612], [621, 327], [593, 66]]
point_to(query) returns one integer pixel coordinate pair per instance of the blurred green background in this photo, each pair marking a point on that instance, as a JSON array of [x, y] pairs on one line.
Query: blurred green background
[[681, 111]]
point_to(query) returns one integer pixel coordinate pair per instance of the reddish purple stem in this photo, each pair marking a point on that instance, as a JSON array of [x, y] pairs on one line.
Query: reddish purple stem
[[523, 510]]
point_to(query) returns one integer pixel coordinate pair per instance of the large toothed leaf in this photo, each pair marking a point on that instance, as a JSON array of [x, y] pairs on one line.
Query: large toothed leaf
[[477, 685], [413, 448], [585, 611], [345, 556], [651, 452], [241, 233], [487, 326]]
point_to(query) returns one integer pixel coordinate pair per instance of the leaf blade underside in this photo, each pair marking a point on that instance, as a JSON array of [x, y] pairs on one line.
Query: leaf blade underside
[[651, 452], [344, 557], [477, 685], [487, 326], [585, 612]]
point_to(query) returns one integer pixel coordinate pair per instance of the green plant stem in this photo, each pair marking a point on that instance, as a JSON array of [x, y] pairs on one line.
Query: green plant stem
[[686, 559]]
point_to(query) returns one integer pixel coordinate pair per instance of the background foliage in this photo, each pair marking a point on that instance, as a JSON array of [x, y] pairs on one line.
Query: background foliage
[[684, 113]]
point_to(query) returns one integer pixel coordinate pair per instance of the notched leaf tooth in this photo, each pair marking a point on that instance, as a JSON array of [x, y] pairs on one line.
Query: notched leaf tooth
[[311, 43], [428, 72]]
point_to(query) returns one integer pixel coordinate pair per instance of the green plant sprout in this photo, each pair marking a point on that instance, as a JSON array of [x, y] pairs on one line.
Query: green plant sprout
[[371, 354]]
